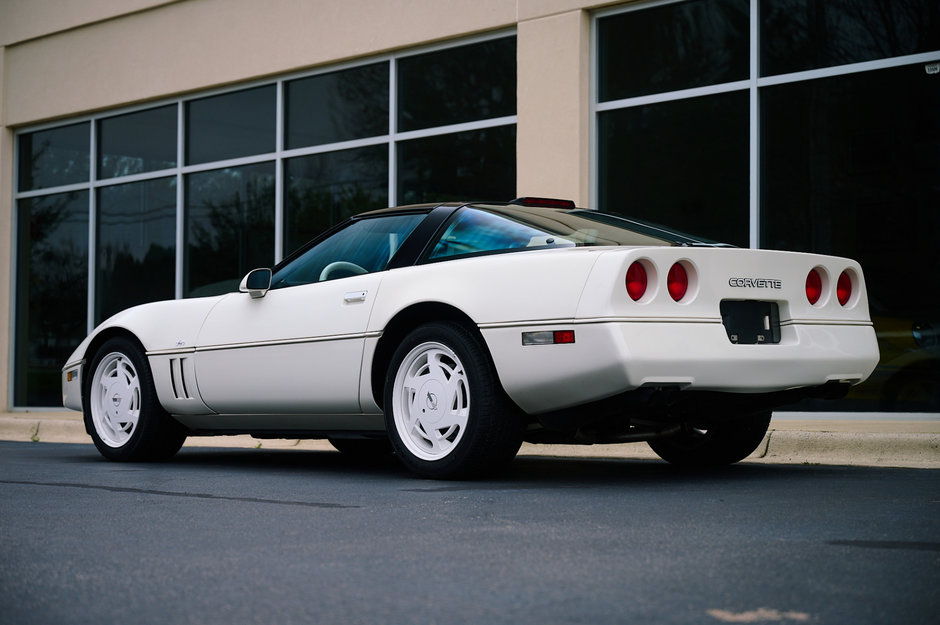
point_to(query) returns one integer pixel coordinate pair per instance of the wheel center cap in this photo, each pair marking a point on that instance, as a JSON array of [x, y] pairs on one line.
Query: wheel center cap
[[430, 401]]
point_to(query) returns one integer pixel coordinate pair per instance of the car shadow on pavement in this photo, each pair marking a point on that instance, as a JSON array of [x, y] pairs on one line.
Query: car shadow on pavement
[[525, 472]]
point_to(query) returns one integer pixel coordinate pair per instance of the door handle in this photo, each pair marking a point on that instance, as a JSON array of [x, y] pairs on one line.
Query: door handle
[[355, 296]]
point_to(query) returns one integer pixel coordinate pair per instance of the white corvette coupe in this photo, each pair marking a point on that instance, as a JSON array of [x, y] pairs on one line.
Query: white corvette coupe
[[450, 333]]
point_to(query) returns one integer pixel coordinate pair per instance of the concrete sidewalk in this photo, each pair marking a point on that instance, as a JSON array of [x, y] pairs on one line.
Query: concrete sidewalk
[[791, 440]]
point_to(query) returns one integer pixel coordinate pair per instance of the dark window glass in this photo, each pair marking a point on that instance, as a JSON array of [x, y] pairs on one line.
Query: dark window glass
[[683, 164], [849, 167], [324, 189], [229, 227], [136, 244], [365, 246], [231, 125], [51, 158], [473, 165], [339, 106], [672, 47], [137, 142], [798, 35], [51, 293], [468, 83]]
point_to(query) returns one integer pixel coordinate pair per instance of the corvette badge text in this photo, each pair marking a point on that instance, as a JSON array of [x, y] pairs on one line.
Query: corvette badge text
[[755, 283]]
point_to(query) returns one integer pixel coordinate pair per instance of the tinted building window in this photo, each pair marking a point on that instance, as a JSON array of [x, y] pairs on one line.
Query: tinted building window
[[456, 85], [672, 47], [231, 125], [473, 165], [683, 164], [324, 189], [229, 227], [56, 157], [51, 293], [136, 245], [137, 142], [339, 106], [798, 35], [849, 167]]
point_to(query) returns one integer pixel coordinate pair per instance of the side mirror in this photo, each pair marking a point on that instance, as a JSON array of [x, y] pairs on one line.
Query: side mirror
[[256, 283]]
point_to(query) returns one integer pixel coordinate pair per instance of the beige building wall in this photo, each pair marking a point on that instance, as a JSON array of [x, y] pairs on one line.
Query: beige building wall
[[6, 249], [65, 58]]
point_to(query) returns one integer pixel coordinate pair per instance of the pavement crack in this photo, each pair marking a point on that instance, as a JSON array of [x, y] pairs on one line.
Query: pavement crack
[[169, 493]]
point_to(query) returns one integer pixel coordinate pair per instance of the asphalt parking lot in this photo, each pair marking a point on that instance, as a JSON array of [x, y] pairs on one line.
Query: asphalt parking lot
[[241, 535]]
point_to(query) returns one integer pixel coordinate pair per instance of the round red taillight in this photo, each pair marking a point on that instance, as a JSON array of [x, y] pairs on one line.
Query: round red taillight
[[813, 286], [844, 288], [636, 281], [677, 282]]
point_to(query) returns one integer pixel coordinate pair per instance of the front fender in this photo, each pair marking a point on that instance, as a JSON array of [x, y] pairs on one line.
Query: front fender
[[160, 327]]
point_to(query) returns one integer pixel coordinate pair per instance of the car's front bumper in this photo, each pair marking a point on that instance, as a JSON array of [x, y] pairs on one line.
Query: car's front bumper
[[611, 357], [72, 385]]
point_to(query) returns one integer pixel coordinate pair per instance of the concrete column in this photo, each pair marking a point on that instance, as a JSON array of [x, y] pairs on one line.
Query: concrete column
[[553, 133]]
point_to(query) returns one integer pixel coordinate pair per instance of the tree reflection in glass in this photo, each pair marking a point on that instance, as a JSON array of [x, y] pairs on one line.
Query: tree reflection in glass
[[51, 292], [799, 35], [675, 46], [136, 255], [337, 106], [229, 227], [324, 189]]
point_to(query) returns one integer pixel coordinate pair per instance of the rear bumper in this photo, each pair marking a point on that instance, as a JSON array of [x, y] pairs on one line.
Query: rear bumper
[[613, 357]]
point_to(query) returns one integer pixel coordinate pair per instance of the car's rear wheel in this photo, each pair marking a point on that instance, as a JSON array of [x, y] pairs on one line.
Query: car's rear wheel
[[725, 442], [446, 414], [121, 410]]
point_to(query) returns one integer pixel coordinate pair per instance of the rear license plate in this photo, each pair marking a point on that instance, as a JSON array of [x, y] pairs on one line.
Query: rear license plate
[[751, 322]]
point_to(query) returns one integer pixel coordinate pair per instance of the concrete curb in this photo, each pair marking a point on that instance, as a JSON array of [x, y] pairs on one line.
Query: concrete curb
[[912, 444]]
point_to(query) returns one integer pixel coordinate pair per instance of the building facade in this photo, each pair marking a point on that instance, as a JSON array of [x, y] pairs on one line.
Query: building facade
[[154, 149]]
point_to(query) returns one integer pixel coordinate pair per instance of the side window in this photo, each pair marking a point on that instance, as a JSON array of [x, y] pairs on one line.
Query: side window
[[365, 246], [475, 231]]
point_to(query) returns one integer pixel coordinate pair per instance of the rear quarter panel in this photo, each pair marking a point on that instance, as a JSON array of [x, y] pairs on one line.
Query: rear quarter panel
[[515, 287]]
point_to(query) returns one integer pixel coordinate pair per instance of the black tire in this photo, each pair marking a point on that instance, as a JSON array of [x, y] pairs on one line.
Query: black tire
[[724, 443], [362, 448], [454, 421], [120, 406]]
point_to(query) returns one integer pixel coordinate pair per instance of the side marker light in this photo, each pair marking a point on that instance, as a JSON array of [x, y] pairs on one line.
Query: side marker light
[[548, 337]]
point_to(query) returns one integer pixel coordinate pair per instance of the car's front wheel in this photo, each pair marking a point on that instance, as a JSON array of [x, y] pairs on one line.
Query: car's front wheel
[[725, 442], [446, 414], [121, 410]]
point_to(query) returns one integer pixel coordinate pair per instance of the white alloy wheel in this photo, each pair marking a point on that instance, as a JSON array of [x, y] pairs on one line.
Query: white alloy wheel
[[431, 401], [115, 399]]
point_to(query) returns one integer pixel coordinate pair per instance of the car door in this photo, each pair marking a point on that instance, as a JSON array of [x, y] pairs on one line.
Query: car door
[[295, 350], [298, 348]]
